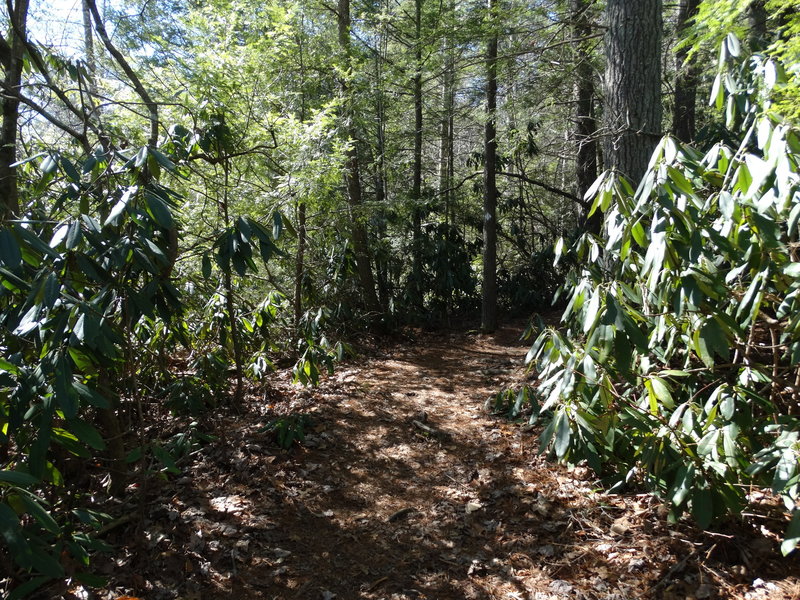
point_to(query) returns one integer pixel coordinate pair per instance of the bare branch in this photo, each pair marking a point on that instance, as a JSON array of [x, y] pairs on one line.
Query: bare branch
[[79, 136], [129, 72], [543, 185]]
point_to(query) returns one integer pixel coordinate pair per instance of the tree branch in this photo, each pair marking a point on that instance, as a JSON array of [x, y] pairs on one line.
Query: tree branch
[[131, 74], [80, 137], [543, 185]]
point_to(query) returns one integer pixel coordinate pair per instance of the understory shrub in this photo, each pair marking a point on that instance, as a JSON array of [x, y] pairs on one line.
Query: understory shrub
[[677, 361]]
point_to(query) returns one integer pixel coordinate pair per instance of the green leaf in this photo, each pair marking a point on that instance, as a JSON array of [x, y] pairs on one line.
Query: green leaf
[[90, 395], [162, 159], [64, 392], [158, 210], [563, 433], [27, 588], [120, 206], [678, 179], [785, 470], [733, 45], [792, 269], [86, 433], [206, 266], [165, 458], [70, 169], [717, 93], [74, 235], [244, 229], [684, 480], [68, 440], [708, 442], [11, 530], [702, 507], [49, 164], [558, 250], [661, 391], [623, 353], [40, 514], [28, 159], [792, 536], [18, 478], [277, 224], [140, 158], [590, 315], [9, 249]]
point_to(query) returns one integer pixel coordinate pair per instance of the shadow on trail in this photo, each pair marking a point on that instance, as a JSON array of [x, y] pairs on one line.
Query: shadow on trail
[[405, 488]]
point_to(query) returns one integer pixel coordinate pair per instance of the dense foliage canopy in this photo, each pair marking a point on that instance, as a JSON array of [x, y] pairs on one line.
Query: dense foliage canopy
[[194, 193]]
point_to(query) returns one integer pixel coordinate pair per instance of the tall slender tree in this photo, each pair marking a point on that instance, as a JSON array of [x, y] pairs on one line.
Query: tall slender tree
[[489, 283], [352, 174], [585, 127], [12, 51], [416, 179], [683, 112]]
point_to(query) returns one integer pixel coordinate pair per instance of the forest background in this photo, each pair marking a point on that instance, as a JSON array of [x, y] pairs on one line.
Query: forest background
[[196, 192]]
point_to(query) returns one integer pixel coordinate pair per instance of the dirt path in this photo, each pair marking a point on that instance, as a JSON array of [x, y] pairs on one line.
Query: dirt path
[[406, 488]]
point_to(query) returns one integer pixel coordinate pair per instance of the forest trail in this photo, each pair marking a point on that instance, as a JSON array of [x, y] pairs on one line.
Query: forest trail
[[407, 488]]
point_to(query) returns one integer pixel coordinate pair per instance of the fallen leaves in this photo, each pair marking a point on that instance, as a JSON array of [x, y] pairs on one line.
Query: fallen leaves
[[407, 489]]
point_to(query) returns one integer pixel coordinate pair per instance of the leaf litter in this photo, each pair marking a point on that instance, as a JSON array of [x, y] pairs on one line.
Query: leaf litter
[[406, 487]]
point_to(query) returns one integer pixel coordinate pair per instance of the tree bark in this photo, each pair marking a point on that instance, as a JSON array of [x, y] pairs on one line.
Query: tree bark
[[12, 59], [633, 85], [381, 265], [352, 172], [489, 286], [585, 132], [299, 266], [446, 130], [417, 293], [757, 20], [684, 109]]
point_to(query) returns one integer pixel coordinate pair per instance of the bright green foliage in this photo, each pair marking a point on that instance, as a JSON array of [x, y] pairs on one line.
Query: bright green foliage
[[75, 281], [289, 429], [677, 366], [718, 18]]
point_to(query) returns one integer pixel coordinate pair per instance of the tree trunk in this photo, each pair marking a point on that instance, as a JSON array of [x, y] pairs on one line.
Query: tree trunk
[[684, 109], [381, 266], [446, 130], [633, 85], [230, 300], [299, 266], [417, 293], [352, 174], [757, 20], [585, 133], [12, 53], [446, 149], [108, 420], [489, 287]]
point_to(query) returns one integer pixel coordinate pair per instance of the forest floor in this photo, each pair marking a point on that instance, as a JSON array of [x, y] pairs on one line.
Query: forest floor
[[407, 487]]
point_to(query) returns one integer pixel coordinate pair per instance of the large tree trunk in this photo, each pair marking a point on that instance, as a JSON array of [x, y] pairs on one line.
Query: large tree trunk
[[11, 57], [684, 109], [633, 84], [585, 132], [489, 286], [353, 175]]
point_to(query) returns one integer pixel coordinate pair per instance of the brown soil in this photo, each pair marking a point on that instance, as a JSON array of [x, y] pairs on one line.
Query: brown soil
[[406, 487]]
